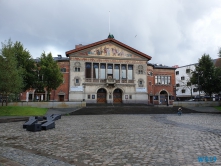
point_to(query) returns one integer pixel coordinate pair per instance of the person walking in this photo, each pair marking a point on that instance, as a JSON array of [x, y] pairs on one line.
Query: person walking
[[179, 111]]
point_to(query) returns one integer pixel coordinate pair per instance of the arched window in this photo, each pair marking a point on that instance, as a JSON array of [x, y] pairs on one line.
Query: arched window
[[140, 69]]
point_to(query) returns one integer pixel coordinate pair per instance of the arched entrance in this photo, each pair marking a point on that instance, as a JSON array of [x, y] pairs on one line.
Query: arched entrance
[[163, 97], [101, 96], [117, 96]]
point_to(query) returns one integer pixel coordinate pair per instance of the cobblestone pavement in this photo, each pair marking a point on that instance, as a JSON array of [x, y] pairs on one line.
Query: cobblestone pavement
[[121, 140]]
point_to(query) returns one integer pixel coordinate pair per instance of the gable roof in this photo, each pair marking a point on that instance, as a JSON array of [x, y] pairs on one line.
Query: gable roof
[[105, 41]]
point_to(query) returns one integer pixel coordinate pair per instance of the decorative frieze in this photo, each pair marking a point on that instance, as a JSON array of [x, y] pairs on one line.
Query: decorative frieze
[[107, 60]]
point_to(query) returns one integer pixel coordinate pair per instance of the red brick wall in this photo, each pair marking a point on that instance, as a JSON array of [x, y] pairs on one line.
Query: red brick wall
[[64, 87], [155, 89]]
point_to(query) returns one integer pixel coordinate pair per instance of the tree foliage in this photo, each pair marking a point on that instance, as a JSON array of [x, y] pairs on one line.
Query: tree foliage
[[50, 72], [26, 63], [10, 73], [206, 76]]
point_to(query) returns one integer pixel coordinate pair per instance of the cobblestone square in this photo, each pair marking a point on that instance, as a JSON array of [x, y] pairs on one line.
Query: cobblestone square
[[116, 140]]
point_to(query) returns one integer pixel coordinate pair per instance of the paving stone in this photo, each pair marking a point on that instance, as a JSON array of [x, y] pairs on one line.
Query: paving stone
[[116, 140]]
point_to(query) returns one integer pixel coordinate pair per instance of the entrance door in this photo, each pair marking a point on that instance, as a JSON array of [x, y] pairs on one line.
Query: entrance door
[[117, 96], [61, 97], [163, 97], [151, 99], [101, 96]]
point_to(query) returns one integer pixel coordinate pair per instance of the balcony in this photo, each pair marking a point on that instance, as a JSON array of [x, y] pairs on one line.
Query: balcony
[[110, 82]]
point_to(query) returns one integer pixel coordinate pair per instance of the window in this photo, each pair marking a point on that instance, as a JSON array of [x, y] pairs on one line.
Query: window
[[88, 70], [130, 72], [149, 83], [63, 69], [177, 72], [140, 69], [150, 73], [188, 84], [130, 96], [124, 72], [88, 96], [177, 85], [182, 78], [77, 69], [187, 70], [140, 82], [77, 81], [103, 71], [95, 71], [195, 89], [110, 69], [183, 90], [117, 72], [77, 66], [165, 80]]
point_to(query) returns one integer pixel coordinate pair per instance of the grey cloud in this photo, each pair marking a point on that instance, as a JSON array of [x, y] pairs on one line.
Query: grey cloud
[[163, 29]]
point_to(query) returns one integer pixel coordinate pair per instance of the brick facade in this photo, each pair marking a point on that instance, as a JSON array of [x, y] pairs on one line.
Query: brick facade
[[60, 94], [161, 93]]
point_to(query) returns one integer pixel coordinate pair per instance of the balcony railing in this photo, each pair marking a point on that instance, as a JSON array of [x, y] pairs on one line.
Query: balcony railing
[[108, 81]]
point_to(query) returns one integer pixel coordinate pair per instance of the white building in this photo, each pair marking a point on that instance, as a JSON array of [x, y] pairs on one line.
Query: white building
[[183, 85]]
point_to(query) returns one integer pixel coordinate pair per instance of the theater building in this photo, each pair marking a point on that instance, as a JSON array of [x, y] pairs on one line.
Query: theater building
[[108, 71]]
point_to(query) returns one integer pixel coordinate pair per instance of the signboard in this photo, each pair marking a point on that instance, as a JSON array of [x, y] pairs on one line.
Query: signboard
[[141, 89], [77, 88]]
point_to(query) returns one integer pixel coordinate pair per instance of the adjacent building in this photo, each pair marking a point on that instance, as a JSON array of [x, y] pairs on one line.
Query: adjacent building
[[60, 94], [161, 84], [184, 89]]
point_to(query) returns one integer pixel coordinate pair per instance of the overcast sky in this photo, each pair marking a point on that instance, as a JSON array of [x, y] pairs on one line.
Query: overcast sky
[[172, 32]]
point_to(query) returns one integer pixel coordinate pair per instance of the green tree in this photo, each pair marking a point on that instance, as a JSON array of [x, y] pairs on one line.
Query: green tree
[[10, 74], [206, 76], [26, 63], [51, 74]]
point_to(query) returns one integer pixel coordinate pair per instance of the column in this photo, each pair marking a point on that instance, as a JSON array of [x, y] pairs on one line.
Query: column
[[99, 71], [120, 74], [127, 72], [92, 67]]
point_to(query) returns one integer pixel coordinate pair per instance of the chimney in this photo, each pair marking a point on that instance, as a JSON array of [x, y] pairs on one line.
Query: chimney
[[59, 56], [78, 46]]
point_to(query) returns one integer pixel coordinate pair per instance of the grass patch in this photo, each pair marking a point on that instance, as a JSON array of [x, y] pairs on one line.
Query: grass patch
[[218, 108], [22, 111]]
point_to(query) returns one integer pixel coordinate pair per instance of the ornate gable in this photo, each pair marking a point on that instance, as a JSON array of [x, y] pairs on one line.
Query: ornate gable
[[109, 48]]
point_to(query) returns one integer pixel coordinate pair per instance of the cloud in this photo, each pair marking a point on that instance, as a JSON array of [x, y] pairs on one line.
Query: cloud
[[171, 31]]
